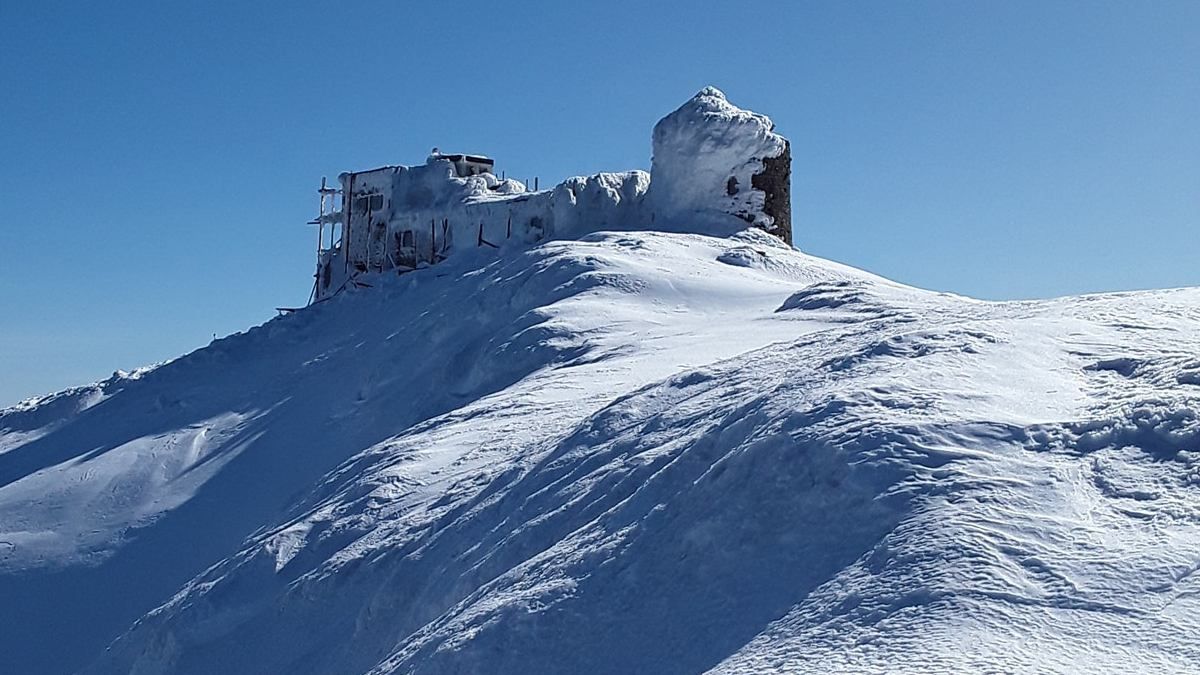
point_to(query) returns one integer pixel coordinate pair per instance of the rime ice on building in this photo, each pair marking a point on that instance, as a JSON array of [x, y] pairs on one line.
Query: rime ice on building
[[711, 160], [712, 157], [399, 217]]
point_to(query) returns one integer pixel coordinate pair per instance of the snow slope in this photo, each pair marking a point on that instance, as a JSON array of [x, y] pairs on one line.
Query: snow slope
[[634, 452]]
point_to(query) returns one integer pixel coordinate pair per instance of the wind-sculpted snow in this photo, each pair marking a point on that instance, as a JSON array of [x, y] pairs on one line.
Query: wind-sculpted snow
[[647, 452], [706, 156], [108, 508]]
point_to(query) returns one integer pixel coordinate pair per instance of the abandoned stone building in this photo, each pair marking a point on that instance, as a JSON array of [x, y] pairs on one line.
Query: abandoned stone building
[[711, 160]]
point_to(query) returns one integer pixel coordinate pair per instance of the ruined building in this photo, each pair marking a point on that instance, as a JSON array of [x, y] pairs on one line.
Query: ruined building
[[712, 163]]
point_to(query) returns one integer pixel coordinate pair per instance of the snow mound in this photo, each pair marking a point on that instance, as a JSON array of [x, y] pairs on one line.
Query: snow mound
[[605, 201]]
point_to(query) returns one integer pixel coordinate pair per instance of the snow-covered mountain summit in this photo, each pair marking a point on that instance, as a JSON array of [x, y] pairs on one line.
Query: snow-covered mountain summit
[[638, 451], [633, 451]]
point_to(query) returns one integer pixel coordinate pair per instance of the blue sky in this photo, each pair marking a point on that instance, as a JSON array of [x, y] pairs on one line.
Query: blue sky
[[158, 160]]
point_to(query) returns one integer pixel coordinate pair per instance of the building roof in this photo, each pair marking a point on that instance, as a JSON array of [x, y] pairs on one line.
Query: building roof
[[478, 159]]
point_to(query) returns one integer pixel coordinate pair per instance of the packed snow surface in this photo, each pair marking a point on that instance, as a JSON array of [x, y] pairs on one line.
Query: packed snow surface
[[634, 452]]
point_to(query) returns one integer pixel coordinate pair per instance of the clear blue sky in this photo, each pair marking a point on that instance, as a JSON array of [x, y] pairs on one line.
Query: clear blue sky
[[158, 160]]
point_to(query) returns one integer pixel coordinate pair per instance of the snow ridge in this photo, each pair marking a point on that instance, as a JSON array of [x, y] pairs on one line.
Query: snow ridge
[[638, 451]]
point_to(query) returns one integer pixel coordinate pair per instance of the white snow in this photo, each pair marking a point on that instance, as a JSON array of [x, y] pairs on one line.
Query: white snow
[[706, 150], [634, 452]]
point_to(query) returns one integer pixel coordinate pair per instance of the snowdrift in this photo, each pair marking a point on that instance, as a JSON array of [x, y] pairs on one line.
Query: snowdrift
[[634, 452]]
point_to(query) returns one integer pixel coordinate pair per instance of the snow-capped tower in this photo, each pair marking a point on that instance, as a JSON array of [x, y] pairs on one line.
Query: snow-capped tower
[[710, 155]]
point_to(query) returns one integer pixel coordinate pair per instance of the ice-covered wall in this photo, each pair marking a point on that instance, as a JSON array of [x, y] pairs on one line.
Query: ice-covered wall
[[711, 156], [711, 160], [428, 212]]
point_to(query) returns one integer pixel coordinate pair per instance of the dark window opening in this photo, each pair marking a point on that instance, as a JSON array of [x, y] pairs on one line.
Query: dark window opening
[[368, 204]]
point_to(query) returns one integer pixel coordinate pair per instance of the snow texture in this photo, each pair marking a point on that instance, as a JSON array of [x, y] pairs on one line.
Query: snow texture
[[632, 452], [706, 154]]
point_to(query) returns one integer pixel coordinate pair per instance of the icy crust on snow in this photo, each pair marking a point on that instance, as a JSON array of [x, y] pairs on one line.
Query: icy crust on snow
[[674, 453], [705, 156]]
